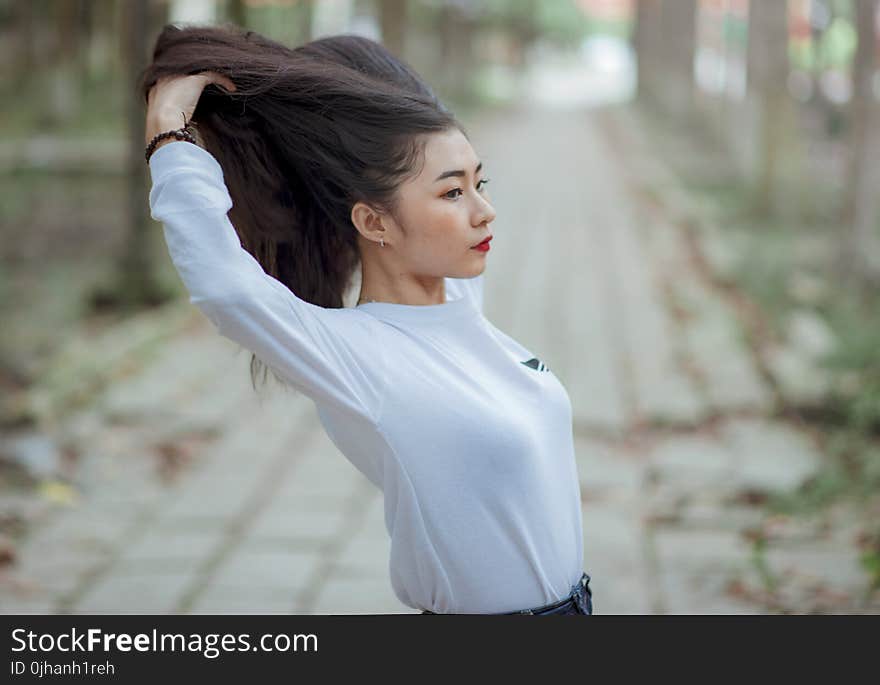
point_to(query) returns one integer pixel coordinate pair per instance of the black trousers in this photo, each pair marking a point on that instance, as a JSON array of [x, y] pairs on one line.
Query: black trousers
[[578, 602]]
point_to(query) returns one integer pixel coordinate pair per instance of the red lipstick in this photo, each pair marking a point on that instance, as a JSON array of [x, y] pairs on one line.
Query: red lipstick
[[483, 246]]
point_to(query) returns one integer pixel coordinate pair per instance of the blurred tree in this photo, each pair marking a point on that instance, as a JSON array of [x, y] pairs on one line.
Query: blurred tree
[[135, 283], [824, 15], [860, 252], [566, 23], [392, 22], [664, 39], [27, 26], [647, 39], [768, 69], [305, 15], [236, 12], [521, 20], [456, 26], [289, 23], [678, 31], [65, 71]]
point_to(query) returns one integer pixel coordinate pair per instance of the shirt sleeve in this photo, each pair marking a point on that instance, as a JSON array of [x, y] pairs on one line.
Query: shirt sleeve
[[332, 355]]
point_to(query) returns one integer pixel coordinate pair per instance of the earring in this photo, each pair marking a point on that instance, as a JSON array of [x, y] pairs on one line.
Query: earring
[[382, 242]]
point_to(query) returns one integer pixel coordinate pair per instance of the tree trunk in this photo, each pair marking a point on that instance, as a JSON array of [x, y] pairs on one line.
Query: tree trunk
[[236, 12], [64, 72], [679, 26], [392, 20], [860, 253], [27, 27], [768, 68], [135, 284], [647, 37], [303, 16], [456, 52]]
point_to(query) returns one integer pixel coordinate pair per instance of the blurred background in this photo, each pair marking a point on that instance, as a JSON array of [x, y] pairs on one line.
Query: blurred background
[[687, 232]]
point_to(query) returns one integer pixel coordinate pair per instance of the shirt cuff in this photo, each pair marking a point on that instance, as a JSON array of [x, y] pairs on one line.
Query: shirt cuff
[[181, 154]]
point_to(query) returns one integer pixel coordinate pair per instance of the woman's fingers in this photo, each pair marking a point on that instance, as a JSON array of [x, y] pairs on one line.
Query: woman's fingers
[[220, 79]]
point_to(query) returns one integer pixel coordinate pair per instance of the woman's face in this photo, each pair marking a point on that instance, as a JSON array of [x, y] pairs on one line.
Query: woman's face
[[442, 213]]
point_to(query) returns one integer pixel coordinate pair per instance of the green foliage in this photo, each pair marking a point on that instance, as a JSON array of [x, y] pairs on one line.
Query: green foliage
[[772, 250], [856, 359], [870, 561], [759, 561], [735, 31], [835, 49], [560, 21], [608, 27], [763, 273]]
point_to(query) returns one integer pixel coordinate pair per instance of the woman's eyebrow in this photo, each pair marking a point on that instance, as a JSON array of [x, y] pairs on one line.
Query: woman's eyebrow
[[456, 172]]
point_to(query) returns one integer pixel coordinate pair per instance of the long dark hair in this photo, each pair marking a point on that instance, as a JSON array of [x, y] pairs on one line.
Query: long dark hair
[[309, 131]]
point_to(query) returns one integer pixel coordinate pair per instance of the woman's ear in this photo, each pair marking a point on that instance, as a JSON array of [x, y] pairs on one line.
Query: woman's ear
[[368, 221]]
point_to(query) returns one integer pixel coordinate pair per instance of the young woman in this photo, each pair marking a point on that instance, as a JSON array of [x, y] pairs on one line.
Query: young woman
[[333, 155]]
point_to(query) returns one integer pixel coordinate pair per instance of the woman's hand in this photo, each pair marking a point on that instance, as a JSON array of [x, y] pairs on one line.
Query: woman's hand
[[173, 97]]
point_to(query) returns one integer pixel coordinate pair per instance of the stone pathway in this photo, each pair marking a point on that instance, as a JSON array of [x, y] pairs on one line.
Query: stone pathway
[[196, 496]]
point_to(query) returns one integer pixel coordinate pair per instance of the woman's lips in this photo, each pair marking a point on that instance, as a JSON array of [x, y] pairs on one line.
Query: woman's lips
[[483, 246]]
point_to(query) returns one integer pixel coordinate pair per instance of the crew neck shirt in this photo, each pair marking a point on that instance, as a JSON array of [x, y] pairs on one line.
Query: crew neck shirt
[[467, 433]]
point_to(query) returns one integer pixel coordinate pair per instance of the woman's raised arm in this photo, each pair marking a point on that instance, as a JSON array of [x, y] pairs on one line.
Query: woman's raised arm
[[332, 355]]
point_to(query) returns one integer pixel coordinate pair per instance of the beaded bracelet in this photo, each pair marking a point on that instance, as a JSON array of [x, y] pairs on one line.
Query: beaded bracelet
[[179, 134]]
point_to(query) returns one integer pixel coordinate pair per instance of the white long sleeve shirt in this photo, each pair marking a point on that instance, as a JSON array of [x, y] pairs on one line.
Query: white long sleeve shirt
[[465, 431]]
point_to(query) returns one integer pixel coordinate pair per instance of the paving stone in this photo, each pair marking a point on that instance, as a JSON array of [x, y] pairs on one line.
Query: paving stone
[[613, 557], [831, 564], [770, 455], [800, 379], [302, 484], [715, 344], [21, 511], [284, 523], [710, 550], [663, 391], [278, 568], [799, 592], [704, 593], [691, 462], [697, 567], [24, 601], [75, 531], [119, 480], [161, 545], [346, 594], [288, 503], [214, 493], [603, 469], [617, 589], [366, 553], [591, 380], [216, 501], [55, 574], [190, 360], [712, 513], [146, 593], [246, 599]]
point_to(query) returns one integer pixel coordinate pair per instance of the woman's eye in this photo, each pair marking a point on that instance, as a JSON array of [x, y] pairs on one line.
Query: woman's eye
[[484, 181]]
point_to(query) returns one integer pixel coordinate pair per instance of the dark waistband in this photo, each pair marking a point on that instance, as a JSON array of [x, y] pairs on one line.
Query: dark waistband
[[575, 596]]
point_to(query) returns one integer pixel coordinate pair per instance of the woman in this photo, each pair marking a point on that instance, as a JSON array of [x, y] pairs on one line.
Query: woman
[[333, 155]]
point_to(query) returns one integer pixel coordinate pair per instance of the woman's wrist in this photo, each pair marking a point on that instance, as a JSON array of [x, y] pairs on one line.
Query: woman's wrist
[[164, 141], [160, 123]]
